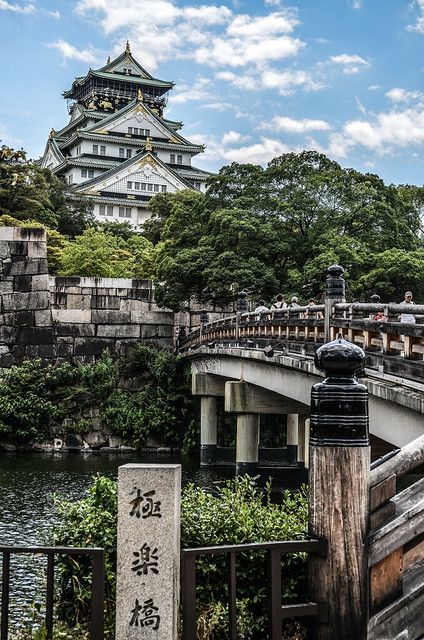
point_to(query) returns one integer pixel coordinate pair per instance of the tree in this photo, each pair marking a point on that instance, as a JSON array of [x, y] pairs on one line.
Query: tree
[[95, 253]]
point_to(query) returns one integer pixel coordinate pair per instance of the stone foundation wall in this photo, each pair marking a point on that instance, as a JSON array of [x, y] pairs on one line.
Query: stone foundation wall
[[69, 319]]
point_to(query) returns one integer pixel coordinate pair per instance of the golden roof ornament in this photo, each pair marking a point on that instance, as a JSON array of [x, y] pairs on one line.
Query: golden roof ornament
[[148, 144], [52, 133], [140, 96], [127, 47]]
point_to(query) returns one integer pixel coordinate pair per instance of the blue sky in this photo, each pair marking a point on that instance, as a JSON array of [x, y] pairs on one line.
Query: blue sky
[[254, 78]]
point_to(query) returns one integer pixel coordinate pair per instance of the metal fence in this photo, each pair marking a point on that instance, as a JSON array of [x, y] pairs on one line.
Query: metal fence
[[97, 586], [277, 611]]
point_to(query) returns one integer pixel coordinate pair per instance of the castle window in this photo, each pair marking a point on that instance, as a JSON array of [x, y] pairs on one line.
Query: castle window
[[129, 185], [78, 151], [95, 149], [102, 209], [102, 150], [127, 71], [129, 153], [149, 187], [137, 186], [109, 210], [172, 158], [163, 188], [197, 185], [87, 173], [125, 212], [136, 131], [156, 187], [130, 130], [179, 159], [122, 153], [143, 186], [70, 179]]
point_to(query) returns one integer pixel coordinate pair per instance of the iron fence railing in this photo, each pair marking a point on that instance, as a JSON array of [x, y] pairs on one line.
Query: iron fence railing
[[97, 586], [277, 611]]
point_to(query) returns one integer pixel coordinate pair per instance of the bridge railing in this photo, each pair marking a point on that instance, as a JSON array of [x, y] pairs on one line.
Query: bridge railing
[[302, 330]]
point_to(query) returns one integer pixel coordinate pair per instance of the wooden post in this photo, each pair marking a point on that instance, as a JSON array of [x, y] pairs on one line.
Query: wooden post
[[335, 292], [339, 493]]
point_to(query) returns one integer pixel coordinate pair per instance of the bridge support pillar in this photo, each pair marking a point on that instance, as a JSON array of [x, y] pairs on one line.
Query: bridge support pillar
[[247, 449], [208, 430], [301, 444], [292, 436]]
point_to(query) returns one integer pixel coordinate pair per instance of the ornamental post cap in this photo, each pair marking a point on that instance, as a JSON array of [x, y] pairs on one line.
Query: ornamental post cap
[[375, 298], [335, 271], [340, 358], [242, 294]]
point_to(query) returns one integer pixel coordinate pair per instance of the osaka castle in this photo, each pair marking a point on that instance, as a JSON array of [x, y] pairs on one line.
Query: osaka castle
[[118, 149]]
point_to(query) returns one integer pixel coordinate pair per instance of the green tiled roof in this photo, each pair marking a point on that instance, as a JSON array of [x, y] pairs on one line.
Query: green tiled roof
[[137, 80]]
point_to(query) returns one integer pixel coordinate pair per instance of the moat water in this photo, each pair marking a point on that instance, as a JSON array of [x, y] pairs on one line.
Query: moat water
[[28, 482]]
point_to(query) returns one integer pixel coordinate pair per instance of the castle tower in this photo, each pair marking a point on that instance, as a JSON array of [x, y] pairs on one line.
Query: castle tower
[[118, 149]]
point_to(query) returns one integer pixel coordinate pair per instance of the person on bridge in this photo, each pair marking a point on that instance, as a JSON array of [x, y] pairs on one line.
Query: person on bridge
[[279, 304], [261, 308], [309, 313], [407, 317]]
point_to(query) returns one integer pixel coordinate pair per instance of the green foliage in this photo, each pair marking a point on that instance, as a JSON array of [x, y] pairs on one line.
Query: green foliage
[[35, 400], [279, 228], [235, 512]]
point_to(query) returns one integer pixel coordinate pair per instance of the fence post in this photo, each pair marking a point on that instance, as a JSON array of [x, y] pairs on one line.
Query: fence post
[[148, 551], [339, 492], [335, 292]]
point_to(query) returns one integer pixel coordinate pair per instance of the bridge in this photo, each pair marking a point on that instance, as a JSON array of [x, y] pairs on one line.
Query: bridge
[[263, 363], [300, 363]]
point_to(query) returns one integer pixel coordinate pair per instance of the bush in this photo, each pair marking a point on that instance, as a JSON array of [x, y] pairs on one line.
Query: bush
[[234, 512], [35, 399]]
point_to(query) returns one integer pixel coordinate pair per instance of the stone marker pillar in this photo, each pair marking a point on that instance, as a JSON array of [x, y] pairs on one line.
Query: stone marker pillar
[[148, 552], [292, 437], [208, 429], [247, 449]]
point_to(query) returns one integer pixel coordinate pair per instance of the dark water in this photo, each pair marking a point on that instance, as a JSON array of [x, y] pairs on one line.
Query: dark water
[[27, 484]]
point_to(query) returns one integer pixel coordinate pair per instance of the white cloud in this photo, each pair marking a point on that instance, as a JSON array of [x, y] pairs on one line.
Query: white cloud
[[232, 137], [241, 81], [207, 15], [245, 26], [186, 94], [401, 95], [52, 14], [69, 52], [289, 125], [373, 87], [219, 106], [258, 153], [273, 3], [357, 4], [419, 24], [350, 71], [16, 8], [351, 63], [288, 80]]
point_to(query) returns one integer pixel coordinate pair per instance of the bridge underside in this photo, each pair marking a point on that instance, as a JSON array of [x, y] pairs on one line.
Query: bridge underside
[[396, 409]]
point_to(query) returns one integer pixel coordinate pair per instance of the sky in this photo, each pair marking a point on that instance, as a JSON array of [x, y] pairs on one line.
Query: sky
[[253, 78]]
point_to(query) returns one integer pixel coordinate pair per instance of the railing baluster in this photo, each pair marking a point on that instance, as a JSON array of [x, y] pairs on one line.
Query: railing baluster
[[5, 596], [49, 596], [97, 595], [188, 565], [232, 596], [274, 594]]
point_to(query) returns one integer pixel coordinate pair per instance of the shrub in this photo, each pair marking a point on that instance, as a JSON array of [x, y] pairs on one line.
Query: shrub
[[234, 512]]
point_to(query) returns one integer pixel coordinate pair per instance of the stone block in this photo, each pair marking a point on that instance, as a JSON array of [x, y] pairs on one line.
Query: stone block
[[31, 351], [86, 291], [153, 317], [135, 306], [72, 441], [6, 286], [30, 234], [33, 300], [8, 335], [105, 302], [156, 331], [6, 234], [64, 349], [43, 318], [19, 249], [62, 282], [46, 350], [74, 316], [118, 331], [37, 250], [40, 283], [106, 316], [77, 301], [5, 267], [6, 360], [111, 291], [92, 347], [26, 318], [22, 284], [148, 521], [36, 335], [74, 330], [96, 439], [32, 266], [4, 250]]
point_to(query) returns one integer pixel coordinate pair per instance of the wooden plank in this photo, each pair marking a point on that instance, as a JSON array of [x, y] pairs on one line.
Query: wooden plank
[[409, 457], [382, 492], [405, 527], [382, 515], [386, 582]]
